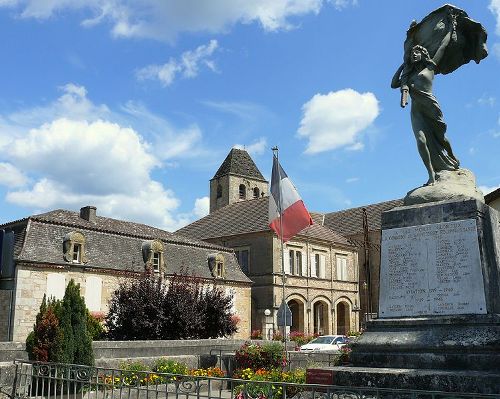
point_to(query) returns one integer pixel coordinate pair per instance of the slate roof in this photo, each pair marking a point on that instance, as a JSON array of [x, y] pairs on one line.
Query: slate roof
[[350, 221], [249, 216], [113, 244], [238, 162]]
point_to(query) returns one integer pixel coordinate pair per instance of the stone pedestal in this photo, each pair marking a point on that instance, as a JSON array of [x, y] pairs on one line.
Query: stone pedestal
[[439, 299]]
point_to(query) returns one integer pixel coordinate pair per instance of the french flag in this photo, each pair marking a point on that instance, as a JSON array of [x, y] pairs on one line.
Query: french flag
[[294, 215]]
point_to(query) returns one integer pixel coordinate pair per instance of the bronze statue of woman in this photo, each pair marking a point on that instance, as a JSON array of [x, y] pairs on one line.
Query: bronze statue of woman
[[415, 76]]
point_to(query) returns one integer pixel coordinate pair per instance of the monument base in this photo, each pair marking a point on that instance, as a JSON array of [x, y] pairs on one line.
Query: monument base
[[469, 342], [439, 302], [415, 379]]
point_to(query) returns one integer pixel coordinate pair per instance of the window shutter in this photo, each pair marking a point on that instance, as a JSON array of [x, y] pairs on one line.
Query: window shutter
[[286, 261], [304, 264], [344, 269], [339, 268], [322, 271], [313, 266]]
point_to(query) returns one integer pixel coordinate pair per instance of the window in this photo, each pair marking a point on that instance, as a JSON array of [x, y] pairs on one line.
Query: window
[[93, 293], [220, 269], [256, 192], [156, 261], [291, 260], [318, 265], [77, 253], [243, 191], [219, 191], [342, 268], [56, 285], [298, 262], [243, 256], [74, 247], [153, 256]]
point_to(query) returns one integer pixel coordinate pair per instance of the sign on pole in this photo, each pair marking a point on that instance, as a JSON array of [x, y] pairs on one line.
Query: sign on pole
[[284, 315]]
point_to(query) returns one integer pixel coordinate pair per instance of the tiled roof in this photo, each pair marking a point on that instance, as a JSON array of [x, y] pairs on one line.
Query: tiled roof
[[249, 216], [238, 162], [112, 244], [350, 221]]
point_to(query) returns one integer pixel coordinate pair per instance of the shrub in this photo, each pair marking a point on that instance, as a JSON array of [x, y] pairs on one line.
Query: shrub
[[255, 356], [95, 325], [44, 342], [76, 343], [300, 338], [277, 336], [164, 365], [186, 309], [256, 334], [60, 333]]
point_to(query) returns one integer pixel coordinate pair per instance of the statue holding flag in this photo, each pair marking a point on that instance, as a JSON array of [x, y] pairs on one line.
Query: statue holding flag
[[442, 42]]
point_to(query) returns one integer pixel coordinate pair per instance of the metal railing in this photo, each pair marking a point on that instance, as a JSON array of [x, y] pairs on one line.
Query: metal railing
[[65, 381]]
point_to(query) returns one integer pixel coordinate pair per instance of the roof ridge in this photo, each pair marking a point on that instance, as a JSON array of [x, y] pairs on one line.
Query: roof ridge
[[170, 239]]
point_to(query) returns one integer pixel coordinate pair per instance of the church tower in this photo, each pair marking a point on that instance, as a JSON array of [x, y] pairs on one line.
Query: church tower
[[237, 179]]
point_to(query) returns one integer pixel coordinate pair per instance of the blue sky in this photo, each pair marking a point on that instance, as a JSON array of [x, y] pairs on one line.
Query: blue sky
[[132, 106]]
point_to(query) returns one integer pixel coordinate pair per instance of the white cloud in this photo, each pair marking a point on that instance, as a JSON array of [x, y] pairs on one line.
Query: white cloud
[[487, 100], [496, 50], [255, 148], [352, 180], [341, 4], [92, 156], [495, 9], [488, 189], [201, 207], [10, 176], [336, 119], [188, 65], [164, 19]]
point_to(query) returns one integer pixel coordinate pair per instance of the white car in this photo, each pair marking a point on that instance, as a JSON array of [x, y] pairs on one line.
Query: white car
[[331, 343]]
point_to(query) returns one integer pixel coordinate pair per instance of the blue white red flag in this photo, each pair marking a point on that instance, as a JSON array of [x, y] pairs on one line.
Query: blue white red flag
[[293, 213]]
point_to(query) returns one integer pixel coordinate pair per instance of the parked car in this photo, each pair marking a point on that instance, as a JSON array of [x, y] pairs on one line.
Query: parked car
[[331, 343]]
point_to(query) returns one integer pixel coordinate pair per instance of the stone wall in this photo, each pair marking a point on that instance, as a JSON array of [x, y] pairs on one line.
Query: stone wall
[[5, 303], [32, 285]]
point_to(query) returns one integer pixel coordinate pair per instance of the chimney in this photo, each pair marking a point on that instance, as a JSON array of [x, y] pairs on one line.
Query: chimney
[[88, 213]]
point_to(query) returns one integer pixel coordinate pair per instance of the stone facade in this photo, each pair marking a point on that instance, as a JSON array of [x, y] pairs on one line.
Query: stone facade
[[32, 286], [53, 248], [321, 266]]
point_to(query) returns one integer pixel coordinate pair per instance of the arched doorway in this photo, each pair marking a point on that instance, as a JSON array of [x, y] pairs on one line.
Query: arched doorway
[[297, 308], [320, 318], [343, 318]]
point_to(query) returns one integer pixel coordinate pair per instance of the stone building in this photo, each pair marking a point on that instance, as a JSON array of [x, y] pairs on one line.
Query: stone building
[[321, 266], [41, 253], [362, 227]]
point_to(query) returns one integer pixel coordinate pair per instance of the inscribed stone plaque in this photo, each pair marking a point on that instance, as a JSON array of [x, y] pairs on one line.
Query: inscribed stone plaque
[[432, 269]]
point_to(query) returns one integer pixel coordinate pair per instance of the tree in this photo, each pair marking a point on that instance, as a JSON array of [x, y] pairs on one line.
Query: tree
[[44, 342], [60, 331], [186, 309], [77, 342]]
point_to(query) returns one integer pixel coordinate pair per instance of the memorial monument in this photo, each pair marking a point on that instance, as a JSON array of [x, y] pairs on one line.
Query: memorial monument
[[438, 325]]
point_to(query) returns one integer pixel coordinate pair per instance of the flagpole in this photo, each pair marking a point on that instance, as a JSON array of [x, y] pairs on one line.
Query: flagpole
[[283, 275]]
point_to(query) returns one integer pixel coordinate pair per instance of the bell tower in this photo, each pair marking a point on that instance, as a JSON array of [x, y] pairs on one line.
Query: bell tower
[[237, 179]]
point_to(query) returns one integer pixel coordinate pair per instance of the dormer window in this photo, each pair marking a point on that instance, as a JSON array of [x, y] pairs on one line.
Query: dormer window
[[74, 247], [153, 256], [243, 191], [256, 192], [216, 265]]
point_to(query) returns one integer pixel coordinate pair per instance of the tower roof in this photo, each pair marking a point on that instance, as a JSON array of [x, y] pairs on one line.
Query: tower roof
[[238, 162]]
